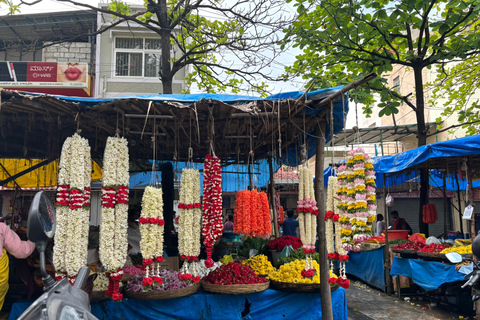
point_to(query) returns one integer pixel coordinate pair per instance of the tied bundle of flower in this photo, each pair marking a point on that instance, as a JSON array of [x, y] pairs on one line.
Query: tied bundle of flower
[[279, 210], [73, 208], [307, 214], [233, 273], [294, 272], [190, 216], [212, 227], [283, 241], [335, 249], [252, 214], [152, 228], [170, 281], [114, 218], [259, 264]]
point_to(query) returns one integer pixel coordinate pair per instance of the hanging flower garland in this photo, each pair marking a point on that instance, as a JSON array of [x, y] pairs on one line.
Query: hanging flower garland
[[212, 226], [114, 218], [346, 201], [332, 220], [190, 214], [252, 214], [307, 211], [152, 229], [73, 202]]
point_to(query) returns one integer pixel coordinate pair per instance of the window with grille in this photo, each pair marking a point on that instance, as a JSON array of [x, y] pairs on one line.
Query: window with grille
[[137, 57], [396, 84]]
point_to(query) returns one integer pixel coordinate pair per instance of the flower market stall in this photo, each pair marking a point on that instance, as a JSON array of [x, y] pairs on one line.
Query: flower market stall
[[217, 130]]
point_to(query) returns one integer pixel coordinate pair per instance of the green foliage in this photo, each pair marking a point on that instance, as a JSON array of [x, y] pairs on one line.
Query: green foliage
[[12, 8], [296, 255], [256, 243], [343, 40]]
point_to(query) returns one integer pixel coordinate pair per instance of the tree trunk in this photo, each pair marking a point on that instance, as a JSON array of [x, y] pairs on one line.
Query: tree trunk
[[422, 140], [166, 75]]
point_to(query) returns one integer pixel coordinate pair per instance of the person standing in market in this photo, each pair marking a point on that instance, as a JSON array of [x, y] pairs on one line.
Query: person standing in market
[[400, 223], [290, 224], [228, 226], [10, 242], [380, 225]]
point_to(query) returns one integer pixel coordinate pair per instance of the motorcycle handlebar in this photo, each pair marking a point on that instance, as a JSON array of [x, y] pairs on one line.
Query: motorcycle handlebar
[[472, 280], [81, 279]]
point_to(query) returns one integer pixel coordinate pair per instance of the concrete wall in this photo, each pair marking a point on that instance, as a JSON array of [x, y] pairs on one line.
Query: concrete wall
[[13, 55]]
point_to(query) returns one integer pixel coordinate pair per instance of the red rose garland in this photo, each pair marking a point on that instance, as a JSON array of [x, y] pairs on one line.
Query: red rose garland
[[212, 226]]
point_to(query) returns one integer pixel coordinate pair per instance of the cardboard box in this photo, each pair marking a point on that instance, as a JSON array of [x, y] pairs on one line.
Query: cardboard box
[[170, 263]]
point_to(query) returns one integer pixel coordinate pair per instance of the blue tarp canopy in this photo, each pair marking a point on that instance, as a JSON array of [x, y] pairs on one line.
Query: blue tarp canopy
[[463, 147]]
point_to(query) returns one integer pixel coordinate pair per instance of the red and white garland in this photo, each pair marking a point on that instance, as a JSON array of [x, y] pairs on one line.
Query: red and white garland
[[114, 218], [307, 212], [73, 208], [152, 229], [190, 212], [331, 219], [212, 226]]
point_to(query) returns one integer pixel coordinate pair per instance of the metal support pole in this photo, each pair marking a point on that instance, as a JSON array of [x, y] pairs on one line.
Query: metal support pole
[[386, 251], [445, 231], [325, 293]]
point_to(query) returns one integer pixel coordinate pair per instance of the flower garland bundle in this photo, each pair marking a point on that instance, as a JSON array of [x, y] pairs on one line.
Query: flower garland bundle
[[114, 219], [151, 229], [346, 200], [280, 212], [332, 219], [307, 212], [252, 214], [212, 226], [190, 213], [73, 207]]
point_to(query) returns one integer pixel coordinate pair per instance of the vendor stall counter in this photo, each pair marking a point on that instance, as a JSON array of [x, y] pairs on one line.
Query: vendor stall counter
[[270, 304]]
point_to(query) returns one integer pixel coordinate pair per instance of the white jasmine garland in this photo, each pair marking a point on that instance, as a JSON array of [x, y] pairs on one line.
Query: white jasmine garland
[[71, 239], [151, 243]]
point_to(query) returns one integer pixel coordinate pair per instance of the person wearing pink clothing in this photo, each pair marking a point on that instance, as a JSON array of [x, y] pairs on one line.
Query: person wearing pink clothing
[[10, 242]]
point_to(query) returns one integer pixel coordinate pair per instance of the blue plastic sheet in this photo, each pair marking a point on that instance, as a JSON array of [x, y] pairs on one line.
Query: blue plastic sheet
[[368, 267], [462, 147], [427, 274], [234, 177], [267, 305]]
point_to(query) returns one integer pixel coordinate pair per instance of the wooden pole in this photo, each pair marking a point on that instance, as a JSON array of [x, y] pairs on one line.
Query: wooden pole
[[325, 293], [471, 202], [459, 207], [272, 196]]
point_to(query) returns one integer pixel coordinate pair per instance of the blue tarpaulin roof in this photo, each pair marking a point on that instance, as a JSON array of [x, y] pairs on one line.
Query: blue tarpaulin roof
[[462, 147]]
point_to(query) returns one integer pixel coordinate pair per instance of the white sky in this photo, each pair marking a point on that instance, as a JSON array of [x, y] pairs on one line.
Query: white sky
[[286, 59]]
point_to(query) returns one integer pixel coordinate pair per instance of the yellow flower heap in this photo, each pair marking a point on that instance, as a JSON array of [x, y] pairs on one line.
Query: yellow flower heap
[[292, 273], [459, 249], [260, 264]]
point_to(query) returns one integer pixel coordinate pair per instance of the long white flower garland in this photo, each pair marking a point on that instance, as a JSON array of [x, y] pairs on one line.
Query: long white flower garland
[[152, 229], [190, 212], [73, 207], [307, 212], [114, 218]]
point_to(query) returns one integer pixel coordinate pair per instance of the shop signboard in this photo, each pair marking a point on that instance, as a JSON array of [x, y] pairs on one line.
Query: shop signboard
[[37, 74]]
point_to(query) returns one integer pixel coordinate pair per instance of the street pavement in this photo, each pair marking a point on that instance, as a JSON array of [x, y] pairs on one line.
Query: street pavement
[[365, 303]]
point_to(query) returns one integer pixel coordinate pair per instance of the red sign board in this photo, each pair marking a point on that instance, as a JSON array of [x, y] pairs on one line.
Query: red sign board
[[42, 71]]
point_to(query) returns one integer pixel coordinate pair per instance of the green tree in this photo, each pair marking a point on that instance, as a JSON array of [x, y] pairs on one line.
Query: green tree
[[456, 87], [222, 42], [344, 39]]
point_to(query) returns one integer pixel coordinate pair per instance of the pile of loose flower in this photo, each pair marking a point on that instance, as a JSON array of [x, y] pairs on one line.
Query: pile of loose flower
[[233, 273], [259, 264], [171, 281], [294, 272], [283, 241]]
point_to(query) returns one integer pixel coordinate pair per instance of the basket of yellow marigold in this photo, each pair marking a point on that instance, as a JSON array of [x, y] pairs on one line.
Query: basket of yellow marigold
[[260, 265], [289, 278]]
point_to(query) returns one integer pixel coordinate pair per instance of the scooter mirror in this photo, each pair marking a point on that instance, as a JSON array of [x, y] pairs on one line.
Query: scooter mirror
[[41, 219], [454, 257], [40, 229]]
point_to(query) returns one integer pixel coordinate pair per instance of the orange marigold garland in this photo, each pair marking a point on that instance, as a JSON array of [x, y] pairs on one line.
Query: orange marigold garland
[[252, 214]]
